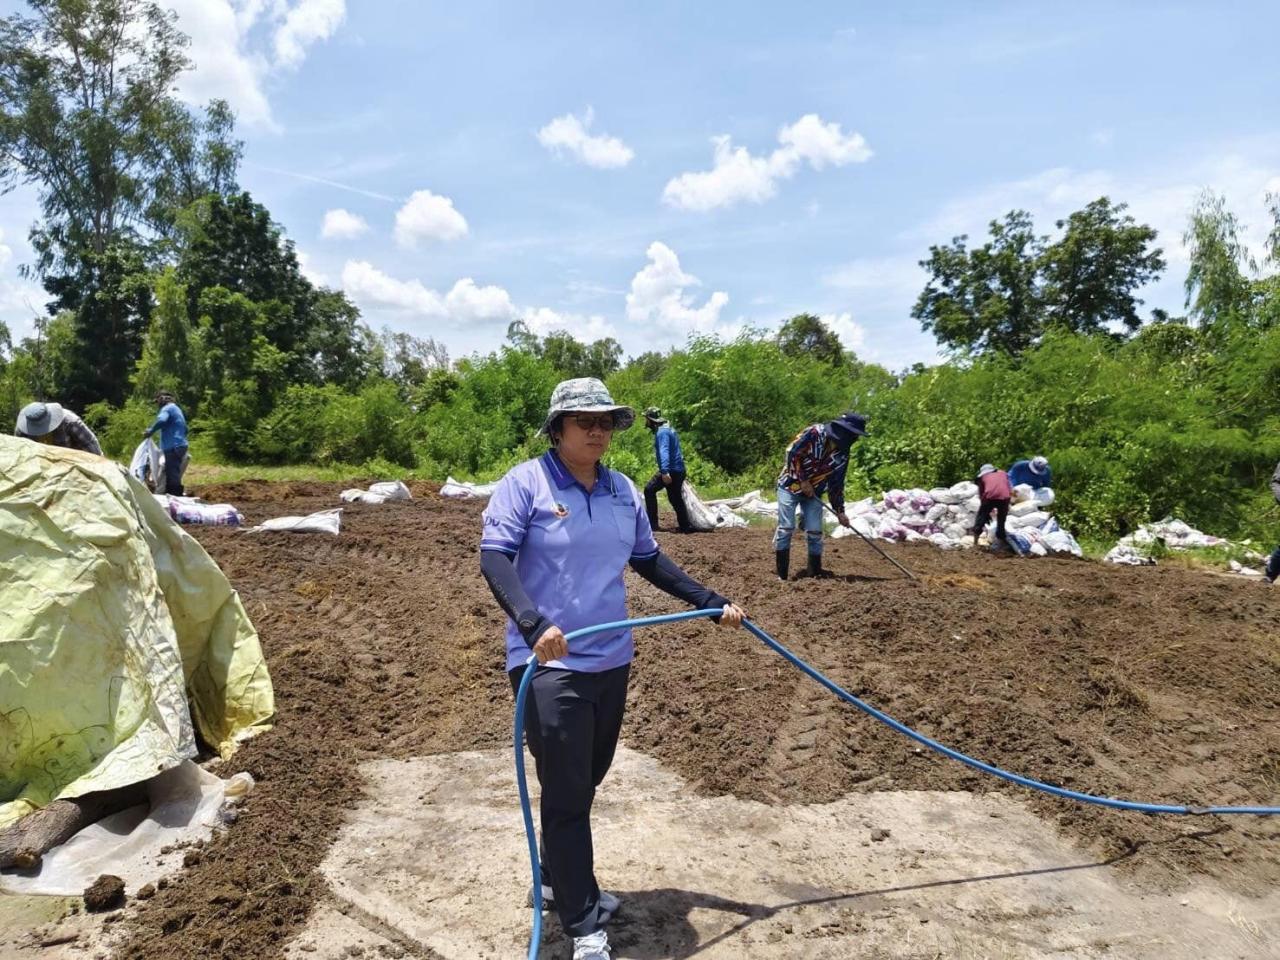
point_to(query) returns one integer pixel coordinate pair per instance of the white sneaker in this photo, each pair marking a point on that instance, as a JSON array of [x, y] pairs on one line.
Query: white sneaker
[[592, 947]]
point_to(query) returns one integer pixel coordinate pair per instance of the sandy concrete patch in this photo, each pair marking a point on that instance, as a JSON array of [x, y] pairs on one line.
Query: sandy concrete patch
[[433, 865]]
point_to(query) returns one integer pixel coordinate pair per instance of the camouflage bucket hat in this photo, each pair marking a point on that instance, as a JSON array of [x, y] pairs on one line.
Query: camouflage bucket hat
[[586, 395]]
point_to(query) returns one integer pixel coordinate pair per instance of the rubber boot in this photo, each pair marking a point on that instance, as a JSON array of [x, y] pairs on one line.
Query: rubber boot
[[815, 565], [783, 559]]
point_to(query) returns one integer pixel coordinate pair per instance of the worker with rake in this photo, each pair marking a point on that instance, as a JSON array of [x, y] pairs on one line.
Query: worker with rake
[[558, 533], [816, 463]]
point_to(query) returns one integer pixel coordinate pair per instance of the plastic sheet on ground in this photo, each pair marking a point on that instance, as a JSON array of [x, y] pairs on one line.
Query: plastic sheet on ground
[[322, 521], [379, 492], [184, 804], [462, 490], [119, 636]]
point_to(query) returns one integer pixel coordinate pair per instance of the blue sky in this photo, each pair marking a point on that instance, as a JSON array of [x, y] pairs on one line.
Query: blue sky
[[558, 163]]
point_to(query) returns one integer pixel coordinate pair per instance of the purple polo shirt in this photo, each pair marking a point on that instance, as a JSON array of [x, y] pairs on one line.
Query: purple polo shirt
[[570, 547]]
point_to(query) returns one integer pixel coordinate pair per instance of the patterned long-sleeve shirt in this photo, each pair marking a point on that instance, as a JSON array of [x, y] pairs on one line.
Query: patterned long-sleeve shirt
[[72, 433], [815, 457]]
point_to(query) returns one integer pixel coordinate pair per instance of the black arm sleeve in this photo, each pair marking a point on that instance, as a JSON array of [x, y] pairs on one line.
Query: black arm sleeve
[[504, 581], [666, 575]]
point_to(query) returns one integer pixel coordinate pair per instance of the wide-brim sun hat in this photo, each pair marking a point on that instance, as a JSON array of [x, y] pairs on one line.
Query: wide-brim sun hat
[[847, 427], [38, 419], [586, 395], [1039, 464], [985, 469]]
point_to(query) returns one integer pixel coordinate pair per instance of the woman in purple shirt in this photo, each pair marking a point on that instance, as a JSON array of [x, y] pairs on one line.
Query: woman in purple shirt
[[558, 533]]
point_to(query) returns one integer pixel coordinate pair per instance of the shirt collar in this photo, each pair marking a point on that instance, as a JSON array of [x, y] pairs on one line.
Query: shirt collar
[[563, 479]]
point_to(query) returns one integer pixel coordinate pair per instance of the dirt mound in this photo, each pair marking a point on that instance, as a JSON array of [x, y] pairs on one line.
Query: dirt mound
[[1151, 683]]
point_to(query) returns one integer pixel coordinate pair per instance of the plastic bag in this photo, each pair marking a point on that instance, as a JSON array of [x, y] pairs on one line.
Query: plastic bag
[[323, 521]]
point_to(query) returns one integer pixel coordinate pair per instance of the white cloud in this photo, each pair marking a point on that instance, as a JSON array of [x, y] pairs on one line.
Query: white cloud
[[467, 302], [465, 305], [737, 175], [309, 269], [570, 135], [851, 333], [426, 216], [306, 23], [544, 320], [658, 296], [237, 46], [368, 285], [341, 224]]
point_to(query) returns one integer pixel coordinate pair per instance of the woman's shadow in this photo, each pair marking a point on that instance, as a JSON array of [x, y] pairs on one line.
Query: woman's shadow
[[656, 925]]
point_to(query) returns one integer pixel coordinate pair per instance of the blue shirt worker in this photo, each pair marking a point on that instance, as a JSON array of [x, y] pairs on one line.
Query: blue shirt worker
[[670, 475], [558, 533], [816, 463], [54, 424], [1034, 473], [172, 424]]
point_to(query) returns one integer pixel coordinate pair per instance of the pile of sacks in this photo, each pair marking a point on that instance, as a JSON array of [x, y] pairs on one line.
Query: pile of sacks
[[944, 516], [1135, 548]]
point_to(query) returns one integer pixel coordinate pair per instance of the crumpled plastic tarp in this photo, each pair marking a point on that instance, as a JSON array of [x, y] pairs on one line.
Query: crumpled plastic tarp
[[119, 636]]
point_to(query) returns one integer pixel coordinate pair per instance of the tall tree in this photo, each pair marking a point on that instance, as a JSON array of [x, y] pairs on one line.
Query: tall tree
[[1091, 272], [170, 354], [987, 299], [1218, 289], [88, 116], [805, 335]]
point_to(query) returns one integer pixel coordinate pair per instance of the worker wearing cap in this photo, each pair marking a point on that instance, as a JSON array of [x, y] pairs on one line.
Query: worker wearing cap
[[994, 493], [670, 475], [1034, 473], [54, 424], [172, 424], [816, 463], [559, 532]]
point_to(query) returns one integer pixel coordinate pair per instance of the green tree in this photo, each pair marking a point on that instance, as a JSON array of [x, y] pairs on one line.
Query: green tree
[[1091, 272], [1218, 289], [806, 335], [410, 361], [170, 354], [985, 300], [109, 296], [87, 114]]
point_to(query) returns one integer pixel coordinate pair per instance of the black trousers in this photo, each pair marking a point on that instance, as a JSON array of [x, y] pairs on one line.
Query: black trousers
[[173, 470], [675, 493], [985, 508], [572, 721]]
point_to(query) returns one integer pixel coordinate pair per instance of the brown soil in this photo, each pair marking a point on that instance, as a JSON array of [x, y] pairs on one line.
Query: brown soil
[[105, 893], [1147, 683]]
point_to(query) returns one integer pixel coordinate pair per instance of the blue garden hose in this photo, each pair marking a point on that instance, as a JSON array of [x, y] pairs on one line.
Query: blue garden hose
[[522, 696]]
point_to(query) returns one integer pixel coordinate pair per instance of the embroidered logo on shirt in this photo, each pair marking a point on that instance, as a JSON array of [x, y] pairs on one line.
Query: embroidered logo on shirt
[[561, 511]]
